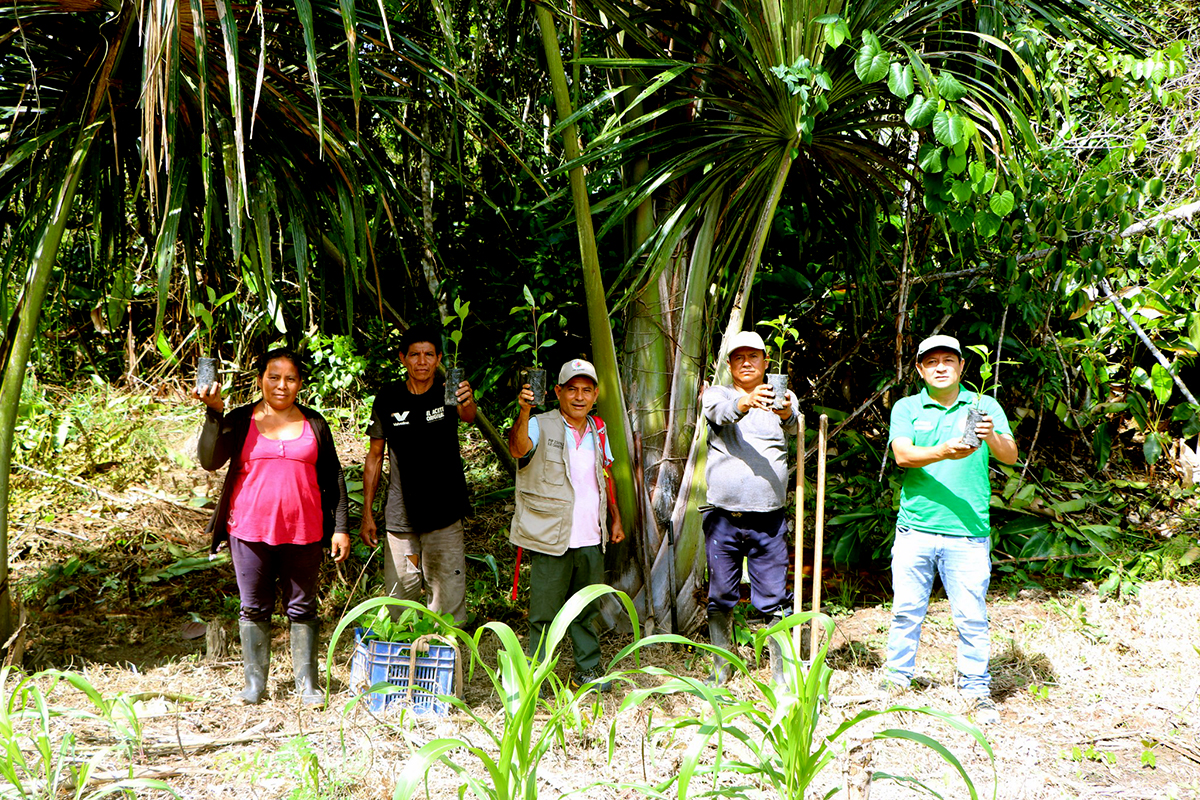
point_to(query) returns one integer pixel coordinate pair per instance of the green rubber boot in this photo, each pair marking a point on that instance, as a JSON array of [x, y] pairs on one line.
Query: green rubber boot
[[256, 658], [720, 633], [304, 662]]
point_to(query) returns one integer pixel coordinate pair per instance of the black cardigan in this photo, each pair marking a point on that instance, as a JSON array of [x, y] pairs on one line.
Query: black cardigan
[[223, 437]]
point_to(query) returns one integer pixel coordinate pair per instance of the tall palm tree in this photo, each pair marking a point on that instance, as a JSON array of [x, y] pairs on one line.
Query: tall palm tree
[[730, 106], [213, 137]]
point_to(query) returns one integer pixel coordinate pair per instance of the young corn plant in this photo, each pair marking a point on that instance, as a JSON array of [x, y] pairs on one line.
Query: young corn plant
[[517, 741], [41, 759], [776, 726]]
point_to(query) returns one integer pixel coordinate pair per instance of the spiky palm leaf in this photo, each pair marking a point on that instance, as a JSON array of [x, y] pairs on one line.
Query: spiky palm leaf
[[723, 136]]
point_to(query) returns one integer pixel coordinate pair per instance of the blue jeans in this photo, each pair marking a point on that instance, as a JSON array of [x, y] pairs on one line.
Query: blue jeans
[[758, 538], [965, 566]]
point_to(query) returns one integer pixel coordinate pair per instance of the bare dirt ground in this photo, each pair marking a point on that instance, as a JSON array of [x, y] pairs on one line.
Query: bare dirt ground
[[1086, 688], [1099, 698]]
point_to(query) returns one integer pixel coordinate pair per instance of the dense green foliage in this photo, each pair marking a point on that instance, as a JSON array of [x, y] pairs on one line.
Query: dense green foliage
[[1018, 175]]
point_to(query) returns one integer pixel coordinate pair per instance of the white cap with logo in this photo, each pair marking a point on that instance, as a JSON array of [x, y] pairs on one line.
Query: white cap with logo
[[574, 368], [939, 342], [746, 339]]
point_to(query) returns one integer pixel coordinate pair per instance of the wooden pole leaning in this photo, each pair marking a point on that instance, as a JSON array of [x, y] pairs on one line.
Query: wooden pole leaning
[[798, 587], [818, 530]]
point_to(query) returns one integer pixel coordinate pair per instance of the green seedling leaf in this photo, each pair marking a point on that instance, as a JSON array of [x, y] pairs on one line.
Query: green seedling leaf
[[1002, 203], [1162, 383], [871, 63], [950, 88], [1152, 449], [837, 30], [900, 80], [921, 111]]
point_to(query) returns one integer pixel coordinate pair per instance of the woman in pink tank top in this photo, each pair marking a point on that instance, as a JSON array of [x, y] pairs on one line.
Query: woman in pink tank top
[[283, 501]]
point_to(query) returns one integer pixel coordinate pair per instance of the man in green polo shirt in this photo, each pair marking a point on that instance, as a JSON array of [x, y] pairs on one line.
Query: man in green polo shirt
[[943, 526]]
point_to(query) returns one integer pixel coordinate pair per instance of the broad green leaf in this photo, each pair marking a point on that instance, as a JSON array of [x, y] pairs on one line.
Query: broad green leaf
[[978, 171], [957, 163], [871, 64], [1001, 203], [900, 80], [986, 223], [961, 191], [1162, 383], [921, 111], [950, 88], [1194, 330], [930, 157], [837, 30], [1152, 448], [949, 129], [961, 219]]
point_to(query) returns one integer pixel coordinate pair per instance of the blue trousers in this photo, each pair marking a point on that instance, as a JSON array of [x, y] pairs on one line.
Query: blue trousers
[[965, 566], [759, 538]]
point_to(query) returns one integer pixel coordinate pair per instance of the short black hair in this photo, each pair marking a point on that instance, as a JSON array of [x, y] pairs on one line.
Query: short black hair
[[288, 353], [421, 333]]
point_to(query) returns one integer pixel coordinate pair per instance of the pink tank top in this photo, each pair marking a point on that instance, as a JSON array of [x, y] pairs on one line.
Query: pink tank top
[[275, 498]]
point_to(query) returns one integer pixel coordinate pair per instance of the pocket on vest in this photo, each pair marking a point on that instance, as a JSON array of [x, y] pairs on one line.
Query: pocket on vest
[[542, 519]]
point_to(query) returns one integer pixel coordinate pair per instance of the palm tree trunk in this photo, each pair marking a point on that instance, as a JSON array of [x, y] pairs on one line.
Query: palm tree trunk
[[45, 253], [611, 403]]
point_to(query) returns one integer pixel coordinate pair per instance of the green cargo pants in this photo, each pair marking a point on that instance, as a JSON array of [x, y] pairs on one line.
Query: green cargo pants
[[553, 579]]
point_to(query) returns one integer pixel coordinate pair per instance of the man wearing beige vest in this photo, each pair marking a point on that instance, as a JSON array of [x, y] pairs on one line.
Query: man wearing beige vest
[[566, 511]]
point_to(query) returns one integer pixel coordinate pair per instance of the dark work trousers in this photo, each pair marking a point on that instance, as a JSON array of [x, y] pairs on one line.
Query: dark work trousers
[[259, 567], [552, 580], [761, 539]]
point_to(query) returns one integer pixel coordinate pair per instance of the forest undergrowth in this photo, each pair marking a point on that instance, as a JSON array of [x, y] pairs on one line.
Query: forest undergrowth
[[1095, 675]]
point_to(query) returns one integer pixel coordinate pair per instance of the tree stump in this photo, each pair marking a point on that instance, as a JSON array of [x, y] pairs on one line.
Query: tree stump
[[216, 642], [858, 770]]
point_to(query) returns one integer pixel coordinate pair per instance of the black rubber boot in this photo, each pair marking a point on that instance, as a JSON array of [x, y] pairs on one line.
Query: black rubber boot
[[304, 662], [256, 658], [720, 633], [779, 673]]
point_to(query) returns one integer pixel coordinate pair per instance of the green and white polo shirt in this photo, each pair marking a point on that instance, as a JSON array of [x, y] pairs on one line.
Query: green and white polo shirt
[[951, 496]]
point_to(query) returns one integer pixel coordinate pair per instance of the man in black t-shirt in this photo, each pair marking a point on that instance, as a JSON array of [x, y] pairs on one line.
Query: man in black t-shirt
[[427, 490]]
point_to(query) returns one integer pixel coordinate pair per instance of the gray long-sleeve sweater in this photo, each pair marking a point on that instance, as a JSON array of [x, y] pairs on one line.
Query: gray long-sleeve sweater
[[747, 453]]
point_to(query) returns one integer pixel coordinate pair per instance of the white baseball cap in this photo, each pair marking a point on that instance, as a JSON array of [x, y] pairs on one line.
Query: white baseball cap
[[746, 339], [939, 342], [574, 368]]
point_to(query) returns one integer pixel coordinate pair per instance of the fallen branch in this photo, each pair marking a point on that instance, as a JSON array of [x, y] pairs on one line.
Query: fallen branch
[[60, 531], [78, 484], [1030, 559], [163, 499], [1112, 298], [1183, 212]]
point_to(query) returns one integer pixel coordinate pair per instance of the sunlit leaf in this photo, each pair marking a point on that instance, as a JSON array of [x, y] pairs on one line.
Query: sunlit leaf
[[921, 111], [1001, 203], [871, 63], [900, 80]]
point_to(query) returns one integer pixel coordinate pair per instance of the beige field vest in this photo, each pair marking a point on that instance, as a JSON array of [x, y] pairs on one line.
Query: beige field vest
[[545, 499]]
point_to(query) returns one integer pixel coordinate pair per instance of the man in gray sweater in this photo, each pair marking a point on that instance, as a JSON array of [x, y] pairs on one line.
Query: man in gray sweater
[[747, 486]]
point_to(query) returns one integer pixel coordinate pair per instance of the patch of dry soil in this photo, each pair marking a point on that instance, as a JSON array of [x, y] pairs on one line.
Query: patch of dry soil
[[1085, 688]]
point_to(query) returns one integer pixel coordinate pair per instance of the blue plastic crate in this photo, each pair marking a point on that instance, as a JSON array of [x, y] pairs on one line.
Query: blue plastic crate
[[375, 662]]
